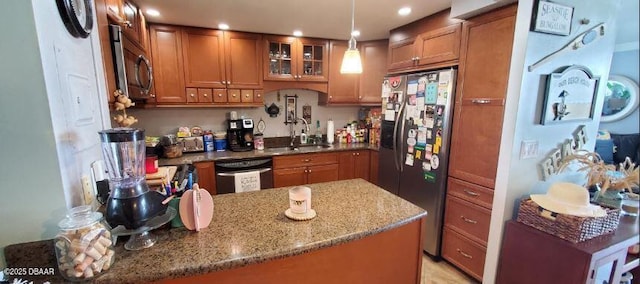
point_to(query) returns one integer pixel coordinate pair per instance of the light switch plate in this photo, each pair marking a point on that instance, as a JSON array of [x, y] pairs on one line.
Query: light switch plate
[[87, 190], [528, 149]]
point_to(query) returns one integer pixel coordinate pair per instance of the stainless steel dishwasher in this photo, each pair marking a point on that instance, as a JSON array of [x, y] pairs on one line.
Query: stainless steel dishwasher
[[226, 171]]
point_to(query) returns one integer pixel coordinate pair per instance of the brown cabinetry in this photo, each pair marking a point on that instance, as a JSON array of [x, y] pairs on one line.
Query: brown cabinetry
[[354, 164], [356, 89], [425, 44], [529, 255], [304, 169], [483, 73], [217, 68], [373, 169], [166, 54], [206, 176], [296, 59], [115, 10]]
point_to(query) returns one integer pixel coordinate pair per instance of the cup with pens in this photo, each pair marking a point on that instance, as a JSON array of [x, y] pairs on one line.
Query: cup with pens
[[174, 193]]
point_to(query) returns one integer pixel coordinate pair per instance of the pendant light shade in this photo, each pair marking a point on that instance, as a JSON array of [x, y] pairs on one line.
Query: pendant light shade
[[351, 63]]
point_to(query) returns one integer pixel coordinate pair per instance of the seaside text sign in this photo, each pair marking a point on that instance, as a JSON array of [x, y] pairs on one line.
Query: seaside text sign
[[552, 18], [551, 164]]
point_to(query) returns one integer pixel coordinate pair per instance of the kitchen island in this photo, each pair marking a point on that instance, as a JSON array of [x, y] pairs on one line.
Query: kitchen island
[[362, 234]]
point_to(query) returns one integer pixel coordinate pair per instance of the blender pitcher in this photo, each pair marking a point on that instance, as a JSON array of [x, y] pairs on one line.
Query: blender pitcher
[[130, 203]]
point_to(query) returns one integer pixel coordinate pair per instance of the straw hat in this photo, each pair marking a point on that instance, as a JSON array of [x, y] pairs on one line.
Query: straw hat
[[568, 198]]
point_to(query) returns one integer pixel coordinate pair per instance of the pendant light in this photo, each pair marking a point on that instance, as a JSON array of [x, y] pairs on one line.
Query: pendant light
[[351, 63]]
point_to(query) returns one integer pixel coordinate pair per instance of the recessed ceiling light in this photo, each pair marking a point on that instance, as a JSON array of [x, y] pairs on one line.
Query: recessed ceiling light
[[297, 33], [404, 11], [355, 33], [153, 12], [223, 26]]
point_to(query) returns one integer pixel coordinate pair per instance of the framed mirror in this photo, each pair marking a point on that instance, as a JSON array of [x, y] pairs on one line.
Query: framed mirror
[[290, 108], [621, 98]]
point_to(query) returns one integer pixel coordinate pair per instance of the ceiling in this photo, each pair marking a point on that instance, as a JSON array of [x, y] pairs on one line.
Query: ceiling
[[315, 18], [324, 18]]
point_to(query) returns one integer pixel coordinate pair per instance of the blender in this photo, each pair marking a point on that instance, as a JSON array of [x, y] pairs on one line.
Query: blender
[[132, 209]]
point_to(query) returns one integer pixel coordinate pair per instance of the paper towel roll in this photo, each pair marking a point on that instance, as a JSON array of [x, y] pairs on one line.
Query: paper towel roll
[[330, 131]]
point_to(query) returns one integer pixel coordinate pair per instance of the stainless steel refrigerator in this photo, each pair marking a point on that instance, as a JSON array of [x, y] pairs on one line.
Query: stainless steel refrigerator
[[414, 145]]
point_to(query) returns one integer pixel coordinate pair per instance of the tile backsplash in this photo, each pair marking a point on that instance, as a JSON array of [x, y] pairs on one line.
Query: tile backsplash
[[160, 121]]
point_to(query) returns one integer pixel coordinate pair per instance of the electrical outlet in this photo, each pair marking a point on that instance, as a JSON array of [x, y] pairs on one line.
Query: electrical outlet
[[528, 149], [87, 190]]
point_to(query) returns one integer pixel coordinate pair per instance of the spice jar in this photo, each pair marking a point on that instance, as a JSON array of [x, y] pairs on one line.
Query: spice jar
[[84, 248]]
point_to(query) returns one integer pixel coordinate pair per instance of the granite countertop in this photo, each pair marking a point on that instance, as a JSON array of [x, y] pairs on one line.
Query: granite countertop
[[247, 228], [189, 158]]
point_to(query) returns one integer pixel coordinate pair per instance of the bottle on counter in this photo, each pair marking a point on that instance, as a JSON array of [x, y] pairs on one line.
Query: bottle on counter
[[303, 137], [318, 133], [349, 136]]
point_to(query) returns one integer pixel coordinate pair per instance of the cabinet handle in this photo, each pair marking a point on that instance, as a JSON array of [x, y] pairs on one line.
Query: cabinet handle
[[228, 82], [353, 154], [308, 171], [234, 95], [359, 97], [152, 95], [306, 160], [246, 95], [464, 254], [205, 95], [305, 171], [469, 192], [193, 95], [468, 220], [224, 82], [259, 95], [220, 95], [357, 154], [481, 102], [127, 24]]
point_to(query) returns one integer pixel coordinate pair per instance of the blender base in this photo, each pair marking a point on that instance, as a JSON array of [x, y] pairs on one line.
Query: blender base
[[142, 238]]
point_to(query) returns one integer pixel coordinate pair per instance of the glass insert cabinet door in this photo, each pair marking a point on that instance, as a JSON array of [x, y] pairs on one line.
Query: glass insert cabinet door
[[296, 59]]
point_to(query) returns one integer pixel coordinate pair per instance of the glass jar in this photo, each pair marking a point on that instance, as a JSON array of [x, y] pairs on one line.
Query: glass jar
[[84, 248]]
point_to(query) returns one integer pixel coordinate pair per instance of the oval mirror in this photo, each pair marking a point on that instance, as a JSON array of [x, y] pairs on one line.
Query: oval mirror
[[621, 98]]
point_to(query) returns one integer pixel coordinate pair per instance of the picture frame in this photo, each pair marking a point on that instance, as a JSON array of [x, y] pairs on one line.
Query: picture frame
[[551, 18], [569, 95], [290, 109], [621, 98]]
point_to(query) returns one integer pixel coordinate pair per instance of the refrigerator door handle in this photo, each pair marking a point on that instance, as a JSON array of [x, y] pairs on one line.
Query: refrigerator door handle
[[401, 117], [395, 142]]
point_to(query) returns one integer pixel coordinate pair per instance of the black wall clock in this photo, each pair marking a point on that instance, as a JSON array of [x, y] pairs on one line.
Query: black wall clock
[[77, 16]]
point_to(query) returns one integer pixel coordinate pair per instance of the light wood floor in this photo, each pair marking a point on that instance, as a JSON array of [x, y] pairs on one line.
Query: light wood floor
[[442, 272]]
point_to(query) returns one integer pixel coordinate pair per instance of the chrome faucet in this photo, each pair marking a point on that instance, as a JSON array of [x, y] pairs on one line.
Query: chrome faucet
[[292, 133]]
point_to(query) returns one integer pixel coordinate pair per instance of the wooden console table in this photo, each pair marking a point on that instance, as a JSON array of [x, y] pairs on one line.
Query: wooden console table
[[532, 256]]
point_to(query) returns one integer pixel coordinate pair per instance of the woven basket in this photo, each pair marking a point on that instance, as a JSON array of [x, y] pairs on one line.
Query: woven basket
[[571, 228]]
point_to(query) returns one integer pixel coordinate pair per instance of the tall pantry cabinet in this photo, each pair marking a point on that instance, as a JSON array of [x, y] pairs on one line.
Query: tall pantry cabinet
[[485, 58]]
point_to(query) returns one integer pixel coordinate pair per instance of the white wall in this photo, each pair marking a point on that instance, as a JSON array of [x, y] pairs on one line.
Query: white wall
[[48, 142], [160, 121], [518, 178]]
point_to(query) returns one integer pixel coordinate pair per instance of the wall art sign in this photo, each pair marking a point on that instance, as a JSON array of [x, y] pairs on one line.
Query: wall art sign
[[551, 164], [570, 95], [552, 18]]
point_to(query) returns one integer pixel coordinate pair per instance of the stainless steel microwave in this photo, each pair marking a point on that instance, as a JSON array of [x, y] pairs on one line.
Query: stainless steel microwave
[[133, 70]]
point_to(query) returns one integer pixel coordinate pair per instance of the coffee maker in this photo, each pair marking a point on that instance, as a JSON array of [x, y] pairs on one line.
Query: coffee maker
[[240, 134]]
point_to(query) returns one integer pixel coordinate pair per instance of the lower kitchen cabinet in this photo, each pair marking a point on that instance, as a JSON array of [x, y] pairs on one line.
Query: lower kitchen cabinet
[[373, 168], [354, 164], [206, 176], [305, 168], [464, 253]]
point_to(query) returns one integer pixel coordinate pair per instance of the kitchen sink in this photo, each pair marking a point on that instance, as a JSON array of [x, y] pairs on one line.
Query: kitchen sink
[[301, 147]]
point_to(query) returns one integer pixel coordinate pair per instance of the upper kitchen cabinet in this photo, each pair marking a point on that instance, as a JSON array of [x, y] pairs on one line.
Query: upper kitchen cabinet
[[203, 53], [431, 42], [343, 88], [356, 89], [296, 59], [115, 10], [217, 59], [243, 60], [374, 68], [481, 92], [166, 54]]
